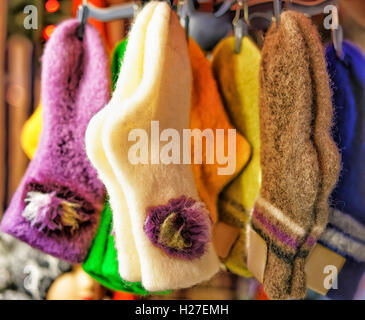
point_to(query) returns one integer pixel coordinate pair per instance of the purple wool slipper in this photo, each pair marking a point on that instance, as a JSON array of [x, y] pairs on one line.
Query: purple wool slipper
[[57, 205]]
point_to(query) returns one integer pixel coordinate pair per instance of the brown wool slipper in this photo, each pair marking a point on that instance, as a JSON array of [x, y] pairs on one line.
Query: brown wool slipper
[[289, 218], [328, 155], [284, 213]]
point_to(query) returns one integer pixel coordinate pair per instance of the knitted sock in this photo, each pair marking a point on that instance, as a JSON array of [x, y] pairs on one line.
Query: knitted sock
[[345, 232], [291, 210], [129, 265], [57, 206], [238, 80], [207, 112], [171, 228]]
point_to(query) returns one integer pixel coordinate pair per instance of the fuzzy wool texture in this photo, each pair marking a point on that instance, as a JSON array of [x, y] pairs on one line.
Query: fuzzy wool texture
[[127, 82], [299, 160], [345, 232], [75, 86], [207, 112], [237, 76], [164, 97]]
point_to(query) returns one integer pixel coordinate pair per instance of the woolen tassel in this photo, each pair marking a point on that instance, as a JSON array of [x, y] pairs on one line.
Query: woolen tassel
[[57, 205]]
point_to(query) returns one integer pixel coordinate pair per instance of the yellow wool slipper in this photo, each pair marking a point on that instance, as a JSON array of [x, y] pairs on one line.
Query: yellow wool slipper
[[237, 76], [31, 132]]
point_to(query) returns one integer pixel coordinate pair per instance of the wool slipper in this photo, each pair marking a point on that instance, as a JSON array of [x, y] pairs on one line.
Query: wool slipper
[[57, 206], [328, 155], [129, 264], [207, 112], [237, 76], [290, 212], [171, 227], [345, 232], [102, 261]]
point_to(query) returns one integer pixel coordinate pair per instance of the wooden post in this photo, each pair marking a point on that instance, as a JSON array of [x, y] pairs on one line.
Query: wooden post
[[3, 15]]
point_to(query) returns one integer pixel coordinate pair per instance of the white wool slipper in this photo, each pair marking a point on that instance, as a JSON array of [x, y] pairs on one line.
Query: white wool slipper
[[171, 227], [128, 80]]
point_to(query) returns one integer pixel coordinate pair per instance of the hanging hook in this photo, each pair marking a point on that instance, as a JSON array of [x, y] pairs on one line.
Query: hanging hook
[[277, 11], [82, 15], [337, 33], [227, 4], [239, 25], [336, 29], [245, 12], [183, 14]]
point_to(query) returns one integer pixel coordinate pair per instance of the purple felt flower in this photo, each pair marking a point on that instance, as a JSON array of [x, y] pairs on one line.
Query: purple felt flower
[[48, 212], [181, 228]]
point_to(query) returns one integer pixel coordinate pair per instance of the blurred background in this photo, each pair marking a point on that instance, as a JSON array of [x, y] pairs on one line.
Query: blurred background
[[20, 54]]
